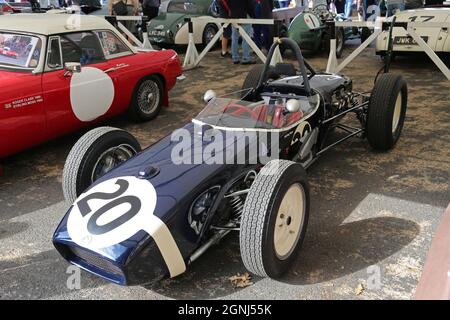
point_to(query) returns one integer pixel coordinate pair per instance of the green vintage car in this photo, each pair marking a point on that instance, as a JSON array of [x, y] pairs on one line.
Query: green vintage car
[[310, 31], [170, 28]]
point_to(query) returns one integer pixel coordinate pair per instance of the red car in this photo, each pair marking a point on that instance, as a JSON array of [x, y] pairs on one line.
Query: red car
[[73, 71], [6, 51], [6, 8]]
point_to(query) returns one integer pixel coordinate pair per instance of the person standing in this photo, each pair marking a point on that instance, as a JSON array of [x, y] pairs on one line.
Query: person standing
[[241, 9], [261, 32], [224, 13], [125, 8], [150, 8], [348, 8]]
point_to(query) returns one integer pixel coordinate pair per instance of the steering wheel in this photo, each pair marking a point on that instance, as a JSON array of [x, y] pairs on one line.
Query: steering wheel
[[237, 110]]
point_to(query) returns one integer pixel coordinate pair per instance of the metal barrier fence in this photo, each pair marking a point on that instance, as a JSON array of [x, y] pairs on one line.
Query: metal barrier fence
[[116, 21], [193, 58], [379, 26]]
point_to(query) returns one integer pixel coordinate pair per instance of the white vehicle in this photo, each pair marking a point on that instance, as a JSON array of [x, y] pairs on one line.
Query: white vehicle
[[436, 37], [170, 28]]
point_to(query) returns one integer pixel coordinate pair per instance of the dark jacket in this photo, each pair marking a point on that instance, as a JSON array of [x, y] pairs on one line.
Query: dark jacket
[[263, 9], [239, 9]]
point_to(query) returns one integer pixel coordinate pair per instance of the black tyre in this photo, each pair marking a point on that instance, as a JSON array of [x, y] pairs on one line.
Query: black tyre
[[208, 33], [365, 33], [274, 218], [147, 99], [387, 110], [340, 42], [94, 154]]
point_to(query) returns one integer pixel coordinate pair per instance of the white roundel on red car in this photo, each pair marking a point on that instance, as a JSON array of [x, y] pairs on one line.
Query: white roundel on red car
[[91, 93], [114, 211]]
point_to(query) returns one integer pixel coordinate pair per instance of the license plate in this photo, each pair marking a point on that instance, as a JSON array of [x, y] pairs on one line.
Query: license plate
[[407, 40], [157, 33]]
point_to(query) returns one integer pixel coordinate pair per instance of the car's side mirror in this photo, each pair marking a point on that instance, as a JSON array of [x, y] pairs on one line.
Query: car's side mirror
[[72, 67], [209, 95], [293, 105]]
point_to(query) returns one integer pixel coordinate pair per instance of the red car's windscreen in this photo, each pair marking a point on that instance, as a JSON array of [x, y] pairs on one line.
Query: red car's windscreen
[[19, 51]]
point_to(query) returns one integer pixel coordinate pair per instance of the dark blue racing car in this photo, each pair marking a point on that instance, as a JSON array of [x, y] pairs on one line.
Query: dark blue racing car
[[238, 166]]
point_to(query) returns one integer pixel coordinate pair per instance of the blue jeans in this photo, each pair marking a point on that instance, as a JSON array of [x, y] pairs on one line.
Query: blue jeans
[[392, 7], [245, 46], [348, 8]]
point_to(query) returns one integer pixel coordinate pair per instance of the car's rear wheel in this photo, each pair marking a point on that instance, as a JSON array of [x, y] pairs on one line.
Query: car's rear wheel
[[95, 153], [387, 111], [274, 218], [147, 99], [340, 42]]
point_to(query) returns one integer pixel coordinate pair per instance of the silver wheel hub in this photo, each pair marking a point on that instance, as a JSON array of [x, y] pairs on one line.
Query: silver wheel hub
[[148, 96], [110, 159]]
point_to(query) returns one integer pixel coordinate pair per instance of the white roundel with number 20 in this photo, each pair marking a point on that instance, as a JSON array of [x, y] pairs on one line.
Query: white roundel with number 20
[[115, 210]]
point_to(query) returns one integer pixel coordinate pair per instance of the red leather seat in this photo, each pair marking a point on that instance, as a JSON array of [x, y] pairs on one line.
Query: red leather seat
[[260, 113]]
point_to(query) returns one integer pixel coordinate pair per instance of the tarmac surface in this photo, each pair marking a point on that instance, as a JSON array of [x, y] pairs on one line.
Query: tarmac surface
[[373, 215]]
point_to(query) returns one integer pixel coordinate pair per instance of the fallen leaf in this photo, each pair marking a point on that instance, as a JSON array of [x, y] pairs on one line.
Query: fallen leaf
[[359, 289], [241, 281]]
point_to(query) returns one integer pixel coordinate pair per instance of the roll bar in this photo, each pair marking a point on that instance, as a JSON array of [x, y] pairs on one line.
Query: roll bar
[[298, 54]]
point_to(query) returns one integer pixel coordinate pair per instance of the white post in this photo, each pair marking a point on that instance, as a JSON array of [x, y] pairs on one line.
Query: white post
[[332, 60], [191, 52]]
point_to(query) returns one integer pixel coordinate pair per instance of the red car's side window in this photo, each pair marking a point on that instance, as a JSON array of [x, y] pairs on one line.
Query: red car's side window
[[112, 46], [82, 47]]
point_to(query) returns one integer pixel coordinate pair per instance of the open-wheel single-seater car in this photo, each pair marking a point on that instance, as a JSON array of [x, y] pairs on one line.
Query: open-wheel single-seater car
[[156, 213], [59, 73]]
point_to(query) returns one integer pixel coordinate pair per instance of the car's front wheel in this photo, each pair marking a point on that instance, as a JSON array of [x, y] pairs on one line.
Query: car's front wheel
[[274, 218], [387, 111], [95, 153], [147, 99], [209, 33]]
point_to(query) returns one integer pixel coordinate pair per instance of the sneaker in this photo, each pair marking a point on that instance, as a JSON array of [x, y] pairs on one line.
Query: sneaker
[[249, 62], [236, 62]]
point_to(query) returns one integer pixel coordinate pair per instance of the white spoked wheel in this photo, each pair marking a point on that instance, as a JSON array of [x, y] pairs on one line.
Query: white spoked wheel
[[290, 218], [274, 218], [147, 99]]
